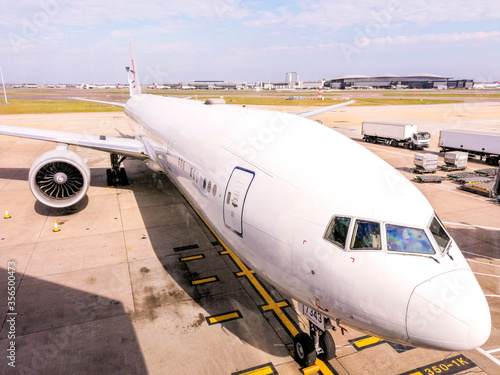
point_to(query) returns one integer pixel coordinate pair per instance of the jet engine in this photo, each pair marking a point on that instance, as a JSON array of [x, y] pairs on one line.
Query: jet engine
[[59, 178]]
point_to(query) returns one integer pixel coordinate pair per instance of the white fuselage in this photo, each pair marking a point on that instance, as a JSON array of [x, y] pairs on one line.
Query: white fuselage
[[269, 184]]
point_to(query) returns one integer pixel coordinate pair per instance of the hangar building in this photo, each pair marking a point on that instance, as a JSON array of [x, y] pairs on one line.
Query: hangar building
[[388, 81]]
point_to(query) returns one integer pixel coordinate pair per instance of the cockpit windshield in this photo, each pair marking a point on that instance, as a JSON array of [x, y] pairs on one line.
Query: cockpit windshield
[[439, 233], [408, 240], [361, 234], [337, 231], [366, 236]]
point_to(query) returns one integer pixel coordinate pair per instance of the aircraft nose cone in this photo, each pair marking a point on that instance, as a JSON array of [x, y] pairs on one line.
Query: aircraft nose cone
[[449, 312]]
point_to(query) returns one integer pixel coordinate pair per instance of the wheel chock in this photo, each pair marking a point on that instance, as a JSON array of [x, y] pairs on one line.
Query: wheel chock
[[310, 370], [7, 216], [56, 227]]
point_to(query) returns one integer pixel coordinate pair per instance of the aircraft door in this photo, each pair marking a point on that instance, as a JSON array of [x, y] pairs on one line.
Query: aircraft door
[[234, 198], [170, 154]]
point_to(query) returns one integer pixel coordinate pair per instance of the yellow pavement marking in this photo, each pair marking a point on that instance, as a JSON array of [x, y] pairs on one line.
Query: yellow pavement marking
[[205, 280], [323, 367], [243, 273], [264, 294], [367, 341], [310, 370], [224, 317], [194, 257], [280, 314], [261, 371], [275, 305]]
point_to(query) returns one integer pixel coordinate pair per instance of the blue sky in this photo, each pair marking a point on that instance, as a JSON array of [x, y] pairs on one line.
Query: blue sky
[[63, 41]]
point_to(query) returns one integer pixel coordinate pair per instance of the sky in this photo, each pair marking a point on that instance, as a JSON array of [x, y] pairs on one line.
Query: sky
[[63, 41]]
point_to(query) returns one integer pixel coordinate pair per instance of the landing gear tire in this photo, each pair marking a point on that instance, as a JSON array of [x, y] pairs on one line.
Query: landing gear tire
[[122, 176], [110, 177], [113, 178], [305, 352], [328, 345]]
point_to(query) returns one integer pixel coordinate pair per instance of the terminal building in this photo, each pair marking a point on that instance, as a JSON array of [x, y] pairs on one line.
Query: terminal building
[[218, 85], [389, 81]]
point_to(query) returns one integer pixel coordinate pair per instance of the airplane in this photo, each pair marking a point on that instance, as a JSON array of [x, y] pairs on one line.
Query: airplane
[[156, 86], [98, 86], [186, 87], [487, 85], [318, 216]]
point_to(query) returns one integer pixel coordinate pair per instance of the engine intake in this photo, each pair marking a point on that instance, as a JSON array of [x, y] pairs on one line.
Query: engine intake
[[59, 178]]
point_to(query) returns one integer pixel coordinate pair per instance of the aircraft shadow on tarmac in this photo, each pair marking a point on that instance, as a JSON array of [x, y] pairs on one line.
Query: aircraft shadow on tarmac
[[61, 330], [176, 233], [80, 320]]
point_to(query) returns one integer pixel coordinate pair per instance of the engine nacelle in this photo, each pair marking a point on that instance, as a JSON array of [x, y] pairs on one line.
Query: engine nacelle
[[59, 178]]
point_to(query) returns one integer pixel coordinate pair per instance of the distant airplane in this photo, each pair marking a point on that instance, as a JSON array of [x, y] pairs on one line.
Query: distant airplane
[[320, 217], [99, 86], [487, 85], [156, 86], [186, 87]]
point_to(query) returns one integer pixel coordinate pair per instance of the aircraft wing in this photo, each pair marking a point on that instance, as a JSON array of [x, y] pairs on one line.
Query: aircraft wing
[[315, 112], [100, 101], [122, 146]]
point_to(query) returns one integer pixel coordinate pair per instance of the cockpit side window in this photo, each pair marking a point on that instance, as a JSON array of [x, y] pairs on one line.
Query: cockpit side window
[[409, 240], [338, 230], [439, 234], [366, 236]]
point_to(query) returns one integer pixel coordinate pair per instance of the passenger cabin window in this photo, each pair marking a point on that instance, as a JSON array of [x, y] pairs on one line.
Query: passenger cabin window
[[366, 236], [439, 233], [409, 240], [337, 231]]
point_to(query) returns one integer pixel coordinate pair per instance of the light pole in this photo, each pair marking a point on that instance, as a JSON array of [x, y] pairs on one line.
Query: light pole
[[3, 85]]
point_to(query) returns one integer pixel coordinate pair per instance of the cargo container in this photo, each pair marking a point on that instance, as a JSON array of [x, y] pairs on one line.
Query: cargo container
[[425, 162], [456, 159]]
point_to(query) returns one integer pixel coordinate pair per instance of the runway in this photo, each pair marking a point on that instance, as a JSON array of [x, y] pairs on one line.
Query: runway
[[134, 282]]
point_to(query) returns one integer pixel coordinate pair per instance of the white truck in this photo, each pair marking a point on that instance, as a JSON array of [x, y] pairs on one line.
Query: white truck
[[404, 135], [475, 143]]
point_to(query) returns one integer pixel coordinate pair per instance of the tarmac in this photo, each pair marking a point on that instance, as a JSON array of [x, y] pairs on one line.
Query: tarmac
[[135, 283]]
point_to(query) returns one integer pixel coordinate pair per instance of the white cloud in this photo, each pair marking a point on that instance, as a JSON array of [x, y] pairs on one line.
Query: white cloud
[[478, 36], [335, 15], [96, 12], [195, 33]]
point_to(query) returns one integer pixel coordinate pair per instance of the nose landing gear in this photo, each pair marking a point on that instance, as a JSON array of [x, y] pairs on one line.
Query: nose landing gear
[[319, 344], [305, 350]]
